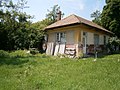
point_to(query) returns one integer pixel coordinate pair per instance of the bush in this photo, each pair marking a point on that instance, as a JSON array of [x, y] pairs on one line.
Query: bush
[[4, 53], [42, 55], [34, 51], [19, 54], [114, 45]]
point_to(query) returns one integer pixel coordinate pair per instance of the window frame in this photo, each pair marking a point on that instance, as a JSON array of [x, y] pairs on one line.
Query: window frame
[[96, 39], [59, 36]]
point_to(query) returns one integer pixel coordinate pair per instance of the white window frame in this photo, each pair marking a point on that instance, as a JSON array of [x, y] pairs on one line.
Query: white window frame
[[96, 39], [59, 37]]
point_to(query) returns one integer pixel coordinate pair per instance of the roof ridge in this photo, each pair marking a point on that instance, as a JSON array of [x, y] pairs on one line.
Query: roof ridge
[[79, 21], [91, 22], [64, 18], [77, 17], [74, 19]]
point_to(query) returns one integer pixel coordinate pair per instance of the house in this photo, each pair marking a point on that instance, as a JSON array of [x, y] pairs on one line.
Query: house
[[75, 36]]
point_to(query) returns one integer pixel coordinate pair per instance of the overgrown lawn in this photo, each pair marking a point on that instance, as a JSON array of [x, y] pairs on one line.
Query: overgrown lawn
[[51, 73]]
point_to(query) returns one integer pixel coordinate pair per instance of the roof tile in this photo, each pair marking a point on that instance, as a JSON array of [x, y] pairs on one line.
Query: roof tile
[[73, 19]]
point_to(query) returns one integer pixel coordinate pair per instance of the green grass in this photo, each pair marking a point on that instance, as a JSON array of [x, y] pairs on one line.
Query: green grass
[[51, 73]]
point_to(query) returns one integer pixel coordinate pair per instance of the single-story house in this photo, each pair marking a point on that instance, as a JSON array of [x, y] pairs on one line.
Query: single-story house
[[75, 36]]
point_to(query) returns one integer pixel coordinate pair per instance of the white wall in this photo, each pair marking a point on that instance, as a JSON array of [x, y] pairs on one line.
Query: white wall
[[51, 37], [90, 38], [101, 39], [70, 37]]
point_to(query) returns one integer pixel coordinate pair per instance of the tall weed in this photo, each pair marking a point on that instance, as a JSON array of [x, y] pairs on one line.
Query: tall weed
[[4, 53], [19, 54]]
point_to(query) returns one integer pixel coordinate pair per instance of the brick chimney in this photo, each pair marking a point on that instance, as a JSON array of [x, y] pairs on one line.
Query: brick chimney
[[59, 15]]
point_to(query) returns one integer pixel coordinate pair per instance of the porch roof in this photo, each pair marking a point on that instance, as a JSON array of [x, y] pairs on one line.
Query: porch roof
[[74, 19]]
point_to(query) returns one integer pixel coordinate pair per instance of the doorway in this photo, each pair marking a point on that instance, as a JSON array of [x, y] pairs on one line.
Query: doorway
[[84, 44]]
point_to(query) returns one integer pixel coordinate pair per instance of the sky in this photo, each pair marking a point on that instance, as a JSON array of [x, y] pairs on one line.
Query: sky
[[82, 8]]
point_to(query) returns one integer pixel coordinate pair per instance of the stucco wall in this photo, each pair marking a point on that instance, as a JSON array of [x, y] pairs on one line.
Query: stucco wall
[[70, 34], [51, 37], [90, 38], [101, 39], [74, 35], [70, 37]]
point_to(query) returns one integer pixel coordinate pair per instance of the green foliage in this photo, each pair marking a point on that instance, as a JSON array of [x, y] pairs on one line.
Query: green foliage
[[110, 16], [19, 54], [38, 32], [34, 51], [16, 30], [52, 14], [43, 55], [97, 17], [40, 25], [15, 27], [114, 45], [49, 73], [4, 53], [14, 54]]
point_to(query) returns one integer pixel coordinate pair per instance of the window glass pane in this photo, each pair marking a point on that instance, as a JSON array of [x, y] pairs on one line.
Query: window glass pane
[[83, 42], [84, 33], [104, 40], [61, 37], [96, 39], [57, 37]]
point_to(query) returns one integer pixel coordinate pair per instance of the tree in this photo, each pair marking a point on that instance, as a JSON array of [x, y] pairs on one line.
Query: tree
[[39, 32], [52, 14], [39, 26], [113, 45], [110, 17], [14, 26], [97, 17]]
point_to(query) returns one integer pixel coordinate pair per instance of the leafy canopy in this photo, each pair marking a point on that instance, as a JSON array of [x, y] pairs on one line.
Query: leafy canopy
[[52, 14], [15, 30], [110, 17], [97, 17]]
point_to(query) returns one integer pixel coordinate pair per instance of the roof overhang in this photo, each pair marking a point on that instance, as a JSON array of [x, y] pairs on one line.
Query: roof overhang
[[107, 31]]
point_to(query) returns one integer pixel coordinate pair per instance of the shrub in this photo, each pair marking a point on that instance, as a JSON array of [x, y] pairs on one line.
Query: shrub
[[45, 56], [19, 54], [62, 55], [4, 53], [34, 51], [114, 45]]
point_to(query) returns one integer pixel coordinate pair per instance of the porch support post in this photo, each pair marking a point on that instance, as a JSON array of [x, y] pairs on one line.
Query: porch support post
[[77, 35]]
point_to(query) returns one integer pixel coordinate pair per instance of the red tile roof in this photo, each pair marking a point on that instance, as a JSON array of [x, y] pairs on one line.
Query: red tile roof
[[73, 19]]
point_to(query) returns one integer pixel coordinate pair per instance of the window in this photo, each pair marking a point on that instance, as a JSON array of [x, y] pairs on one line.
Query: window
[[84, 33], [57, 37], [61, 37], [96, 39], [104, 40], [46, 37]]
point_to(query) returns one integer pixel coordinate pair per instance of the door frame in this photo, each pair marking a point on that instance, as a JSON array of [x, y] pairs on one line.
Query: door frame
[[84, 45]]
